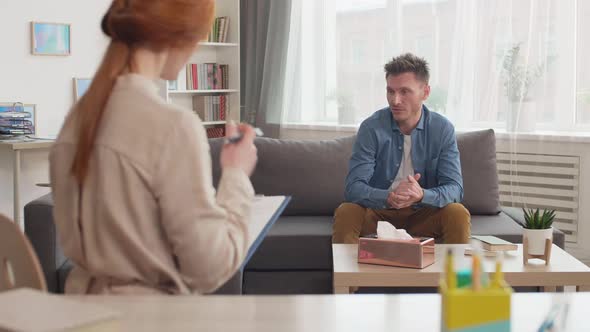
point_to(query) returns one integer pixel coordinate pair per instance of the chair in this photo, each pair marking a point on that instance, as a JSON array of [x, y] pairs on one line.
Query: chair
[[19, 265]]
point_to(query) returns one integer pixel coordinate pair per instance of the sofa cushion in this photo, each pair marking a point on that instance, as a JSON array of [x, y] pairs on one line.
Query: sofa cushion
[[295, 243], [311, 172], [287, 282], [317, 171], [40, 229], [480, 175]]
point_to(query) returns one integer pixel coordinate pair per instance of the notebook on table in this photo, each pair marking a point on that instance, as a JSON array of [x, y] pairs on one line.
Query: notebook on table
[[492, 243]]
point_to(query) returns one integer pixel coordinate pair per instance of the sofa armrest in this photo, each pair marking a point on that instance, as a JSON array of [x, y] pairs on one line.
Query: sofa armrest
[[40, 230], [518, 216]]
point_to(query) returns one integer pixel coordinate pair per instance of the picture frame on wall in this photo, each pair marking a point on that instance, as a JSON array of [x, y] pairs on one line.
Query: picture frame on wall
[[17, 119], [51, 38], [80, 87]]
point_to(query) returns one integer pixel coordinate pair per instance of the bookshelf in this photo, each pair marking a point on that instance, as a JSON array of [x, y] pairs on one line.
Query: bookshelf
[[203, 92], [222, 53]]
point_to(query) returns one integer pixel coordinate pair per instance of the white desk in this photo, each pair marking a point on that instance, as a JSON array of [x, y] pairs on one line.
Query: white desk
[[16, 147], [316, 312]]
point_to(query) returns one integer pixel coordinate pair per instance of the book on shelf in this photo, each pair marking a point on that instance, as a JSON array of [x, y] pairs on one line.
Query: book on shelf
[[492, 243], [211, 108], [218, 33], [215, 132], [206, 76], [26, 309]]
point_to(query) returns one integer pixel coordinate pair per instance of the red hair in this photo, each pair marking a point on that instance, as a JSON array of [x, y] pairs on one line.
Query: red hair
[[153, 24]]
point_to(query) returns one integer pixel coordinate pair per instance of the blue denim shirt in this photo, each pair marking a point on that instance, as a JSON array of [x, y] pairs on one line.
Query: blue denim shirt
[[378, 151]]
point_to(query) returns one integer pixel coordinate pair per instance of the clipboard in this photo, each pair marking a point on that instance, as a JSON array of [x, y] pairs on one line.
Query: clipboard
[[266, 210]]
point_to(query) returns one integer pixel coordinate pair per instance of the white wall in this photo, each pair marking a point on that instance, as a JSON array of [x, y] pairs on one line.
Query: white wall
[[44, 80]]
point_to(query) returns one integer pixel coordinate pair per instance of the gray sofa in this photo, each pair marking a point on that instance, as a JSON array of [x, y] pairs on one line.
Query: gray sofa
[[296, 255]]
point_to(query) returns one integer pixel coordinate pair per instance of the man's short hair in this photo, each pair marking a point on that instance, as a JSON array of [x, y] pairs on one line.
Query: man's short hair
[[408, 63]]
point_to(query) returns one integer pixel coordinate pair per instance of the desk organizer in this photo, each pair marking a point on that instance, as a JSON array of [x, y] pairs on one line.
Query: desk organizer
[[466, 310], [482, 304]]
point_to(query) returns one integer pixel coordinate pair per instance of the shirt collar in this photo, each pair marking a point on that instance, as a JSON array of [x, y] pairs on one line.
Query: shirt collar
[[420, 125]]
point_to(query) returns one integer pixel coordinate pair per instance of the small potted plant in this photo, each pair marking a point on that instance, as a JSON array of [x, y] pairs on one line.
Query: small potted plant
[[538, 228]]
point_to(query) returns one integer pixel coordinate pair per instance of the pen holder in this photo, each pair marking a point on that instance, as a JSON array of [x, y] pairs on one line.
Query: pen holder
[[466, 310]]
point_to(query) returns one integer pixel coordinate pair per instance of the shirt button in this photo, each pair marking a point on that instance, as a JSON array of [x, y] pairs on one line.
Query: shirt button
[[396, 165], [399, 147]]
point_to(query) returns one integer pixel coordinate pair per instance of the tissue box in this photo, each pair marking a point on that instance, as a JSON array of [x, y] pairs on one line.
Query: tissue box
[[415, 253]]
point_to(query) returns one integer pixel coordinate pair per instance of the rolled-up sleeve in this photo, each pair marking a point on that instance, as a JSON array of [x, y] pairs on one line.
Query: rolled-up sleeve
[[361, 169], [450, 181]]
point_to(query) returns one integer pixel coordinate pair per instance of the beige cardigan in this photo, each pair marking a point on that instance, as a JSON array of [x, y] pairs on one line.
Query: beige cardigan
[[150, 218]]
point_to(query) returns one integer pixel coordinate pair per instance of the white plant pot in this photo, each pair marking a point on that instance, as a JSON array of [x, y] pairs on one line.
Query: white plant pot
[[521, 117], [536, 239]]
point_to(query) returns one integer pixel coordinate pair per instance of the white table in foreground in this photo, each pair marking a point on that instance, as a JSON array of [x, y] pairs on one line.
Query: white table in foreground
[[373, 313], [563, 270], [16, 146]]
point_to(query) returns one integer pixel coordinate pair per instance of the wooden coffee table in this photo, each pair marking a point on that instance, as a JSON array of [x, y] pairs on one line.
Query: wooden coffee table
[[563, 270]]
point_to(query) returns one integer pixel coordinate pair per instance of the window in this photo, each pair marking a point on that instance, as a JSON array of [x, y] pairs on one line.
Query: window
[[345, 44]]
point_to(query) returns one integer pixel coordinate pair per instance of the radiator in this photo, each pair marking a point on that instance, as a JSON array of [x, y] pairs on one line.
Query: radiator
[[542, 181]]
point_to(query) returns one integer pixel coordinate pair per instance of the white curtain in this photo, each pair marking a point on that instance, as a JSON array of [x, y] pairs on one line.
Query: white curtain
[[338, 48]]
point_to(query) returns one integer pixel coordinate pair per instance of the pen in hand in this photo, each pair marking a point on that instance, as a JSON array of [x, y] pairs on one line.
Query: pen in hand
[[240, 135]]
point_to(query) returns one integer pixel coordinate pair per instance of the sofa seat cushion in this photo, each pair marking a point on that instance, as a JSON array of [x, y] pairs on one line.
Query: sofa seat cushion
[[296, 243], [287, 282], [499, 225]]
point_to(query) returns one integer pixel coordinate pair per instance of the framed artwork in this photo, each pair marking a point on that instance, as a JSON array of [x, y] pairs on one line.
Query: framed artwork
[[80, 87], [17, 119], [50, 38]]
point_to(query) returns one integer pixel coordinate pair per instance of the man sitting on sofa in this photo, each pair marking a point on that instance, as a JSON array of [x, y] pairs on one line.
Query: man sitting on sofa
[[405, 166]]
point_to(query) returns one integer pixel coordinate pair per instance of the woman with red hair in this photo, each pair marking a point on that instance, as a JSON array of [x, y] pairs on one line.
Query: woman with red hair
[[135, 207]]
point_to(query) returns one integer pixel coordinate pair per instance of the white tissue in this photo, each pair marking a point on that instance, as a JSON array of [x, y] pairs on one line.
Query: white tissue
[[385, 230]]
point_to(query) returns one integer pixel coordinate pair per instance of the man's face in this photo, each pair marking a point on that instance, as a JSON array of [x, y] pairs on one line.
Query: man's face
[[405, 94]]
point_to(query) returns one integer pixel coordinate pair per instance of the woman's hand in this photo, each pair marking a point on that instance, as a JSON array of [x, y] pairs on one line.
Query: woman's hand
[[243, 154]]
